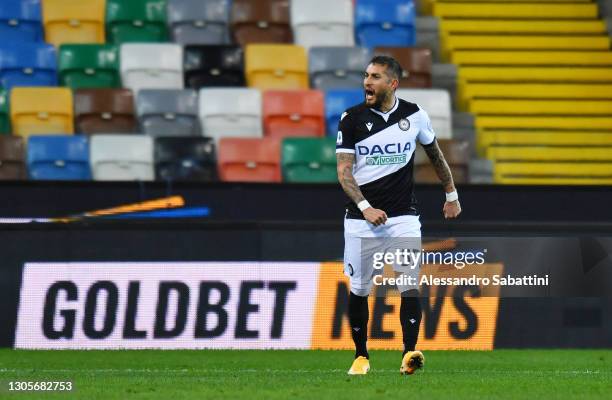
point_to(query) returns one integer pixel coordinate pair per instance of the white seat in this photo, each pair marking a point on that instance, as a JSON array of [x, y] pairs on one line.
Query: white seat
[[121, 157], [231, 112], [152, 66], [437, 103], [322, 22]]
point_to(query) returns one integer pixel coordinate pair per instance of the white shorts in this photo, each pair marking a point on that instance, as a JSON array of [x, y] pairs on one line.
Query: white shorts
[[362, 240]]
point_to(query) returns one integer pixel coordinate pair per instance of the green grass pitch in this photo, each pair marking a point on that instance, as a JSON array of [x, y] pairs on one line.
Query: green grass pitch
[[247, 375]]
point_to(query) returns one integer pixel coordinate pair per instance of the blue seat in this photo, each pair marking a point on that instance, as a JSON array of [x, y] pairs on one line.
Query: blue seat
[[385, 23], [336, 102], [20, 20], [61, 157], [27, 64]]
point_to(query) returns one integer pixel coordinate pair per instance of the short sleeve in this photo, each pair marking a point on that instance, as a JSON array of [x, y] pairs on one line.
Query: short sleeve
[[345, 141], [426, 133]]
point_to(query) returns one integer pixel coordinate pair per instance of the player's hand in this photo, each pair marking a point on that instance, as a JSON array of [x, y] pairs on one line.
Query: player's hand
[[451, 209], [375, 216]]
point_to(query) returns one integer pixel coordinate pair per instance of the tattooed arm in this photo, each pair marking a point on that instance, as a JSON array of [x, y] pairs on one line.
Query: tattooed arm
[[345, 162], [451, 209]]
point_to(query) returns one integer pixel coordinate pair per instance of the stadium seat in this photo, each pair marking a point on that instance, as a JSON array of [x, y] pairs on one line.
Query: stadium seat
[[86, 66], [242, 119], [136, 21], [168, 112], [508, 10], [20, 21], [276, 66], [336, 102], [385, 23], [152, 66], [540, 107], [58, 157], [525, 42], [436, 103], [293, 113], [27, 64], [185, 159], [74, 21], [122, 157], [523, 26], [594, 123], [553, 173], [12, 158], [5, 119], [322, 23], [41, 110], [104, 110], [309, 160], [199, 21], [535, 74], [532, 58], [249, 160], [260, 21], [416, 62], [549, 153], [214, 66], [337, 67], [457, 156], [543, 138]]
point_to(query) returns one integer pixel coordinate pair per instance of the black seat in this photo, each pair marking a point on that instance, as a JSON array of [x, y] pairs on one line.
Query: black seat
[[185, 158], [214, 65]]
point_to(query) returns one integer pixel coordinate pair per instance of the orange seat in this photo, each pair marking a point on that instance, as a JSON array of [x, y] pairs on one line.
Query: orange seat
[[249, 160], [289, 113], [41, 110], [74, 21], [276, 66], [416, 62], [261, 21]]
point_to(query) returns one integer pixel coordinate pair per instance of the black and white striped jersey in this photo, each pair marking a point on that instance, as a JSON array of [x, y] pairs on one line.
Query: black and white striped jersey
[[384, 148]]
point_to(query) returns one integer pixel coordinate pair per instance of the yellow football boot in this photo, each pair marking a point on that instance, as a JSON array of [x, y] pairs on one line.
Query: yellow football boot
[[412, 361], [360, 366]]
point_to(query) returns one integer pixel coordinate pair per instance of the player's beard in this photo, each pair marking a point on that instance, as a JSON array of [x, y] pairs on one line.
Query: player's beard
[[380, 99]]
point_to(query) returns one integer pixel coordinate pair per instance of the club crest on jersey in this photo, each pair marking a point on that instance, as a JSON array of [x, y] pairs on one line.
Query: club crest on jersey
[[404, 124], [369, 125]]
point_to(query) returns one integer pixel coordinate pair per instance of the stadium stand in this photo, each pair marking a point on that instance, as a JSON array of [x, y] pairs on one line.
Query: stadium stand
[[337, 67], [5, 119], [457, 156], [136, 21], [168, 112], [416, 62], [85, 66], [58, 157], [27, 64], [74, 21], [12, 158], [436, 103], [249, 160], [20, 21], [318, 23], [385, 23], [198, 21], [151, 66], [336, 101], [185, 159], [242, 119], [276, 66], [214, 65], [121, 157], [104, 110], [309, 160], [41, 110], [293, 113], [261, 21]]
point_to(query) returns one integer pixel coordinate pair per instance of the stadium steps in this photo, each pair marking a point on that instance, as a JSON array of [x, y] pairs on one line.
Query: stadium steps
[[537, 76]]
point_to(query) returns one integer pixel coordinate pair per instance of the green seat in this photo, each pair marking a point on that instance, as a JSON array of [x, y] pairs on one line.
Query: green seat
[[136, 21], [309, 160], [86, 66], [5, 126]]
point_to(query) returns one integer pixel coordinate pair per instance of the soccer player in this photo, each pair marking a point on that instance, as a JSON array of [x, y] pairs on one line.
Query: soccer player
[[375, 154]]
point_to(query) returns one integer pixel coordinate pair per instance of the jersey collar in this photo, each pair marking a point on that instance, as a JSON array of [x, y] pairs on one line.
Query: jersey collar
[[386, 115]]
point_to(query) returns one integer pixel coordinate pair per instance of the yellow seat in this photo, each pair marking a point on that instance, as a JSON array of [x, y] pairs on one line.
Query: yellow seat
[[484, 26], [276, 66], [41, 110], [539, 58], [524, 42], [509, 10], [486, 138], [553, 173], [535, 74], [549, 153], [74, 21], [540, 107], [561, 123]]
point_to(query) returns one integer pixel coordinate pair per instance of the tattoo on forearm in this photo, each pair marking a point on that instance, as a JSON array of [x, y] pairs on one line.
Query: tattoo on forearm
[[346, 178], [440, 165]]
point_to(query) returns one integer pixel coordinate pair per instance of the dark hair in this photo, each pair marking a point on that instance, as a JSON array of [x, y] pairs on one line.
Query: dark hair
[[394, 69]]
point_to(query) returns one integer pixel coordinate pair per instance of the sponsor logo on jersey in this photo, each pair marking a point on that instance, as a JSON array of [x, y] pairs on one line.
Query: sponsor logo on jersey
[[386, 160], [385, 149]]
